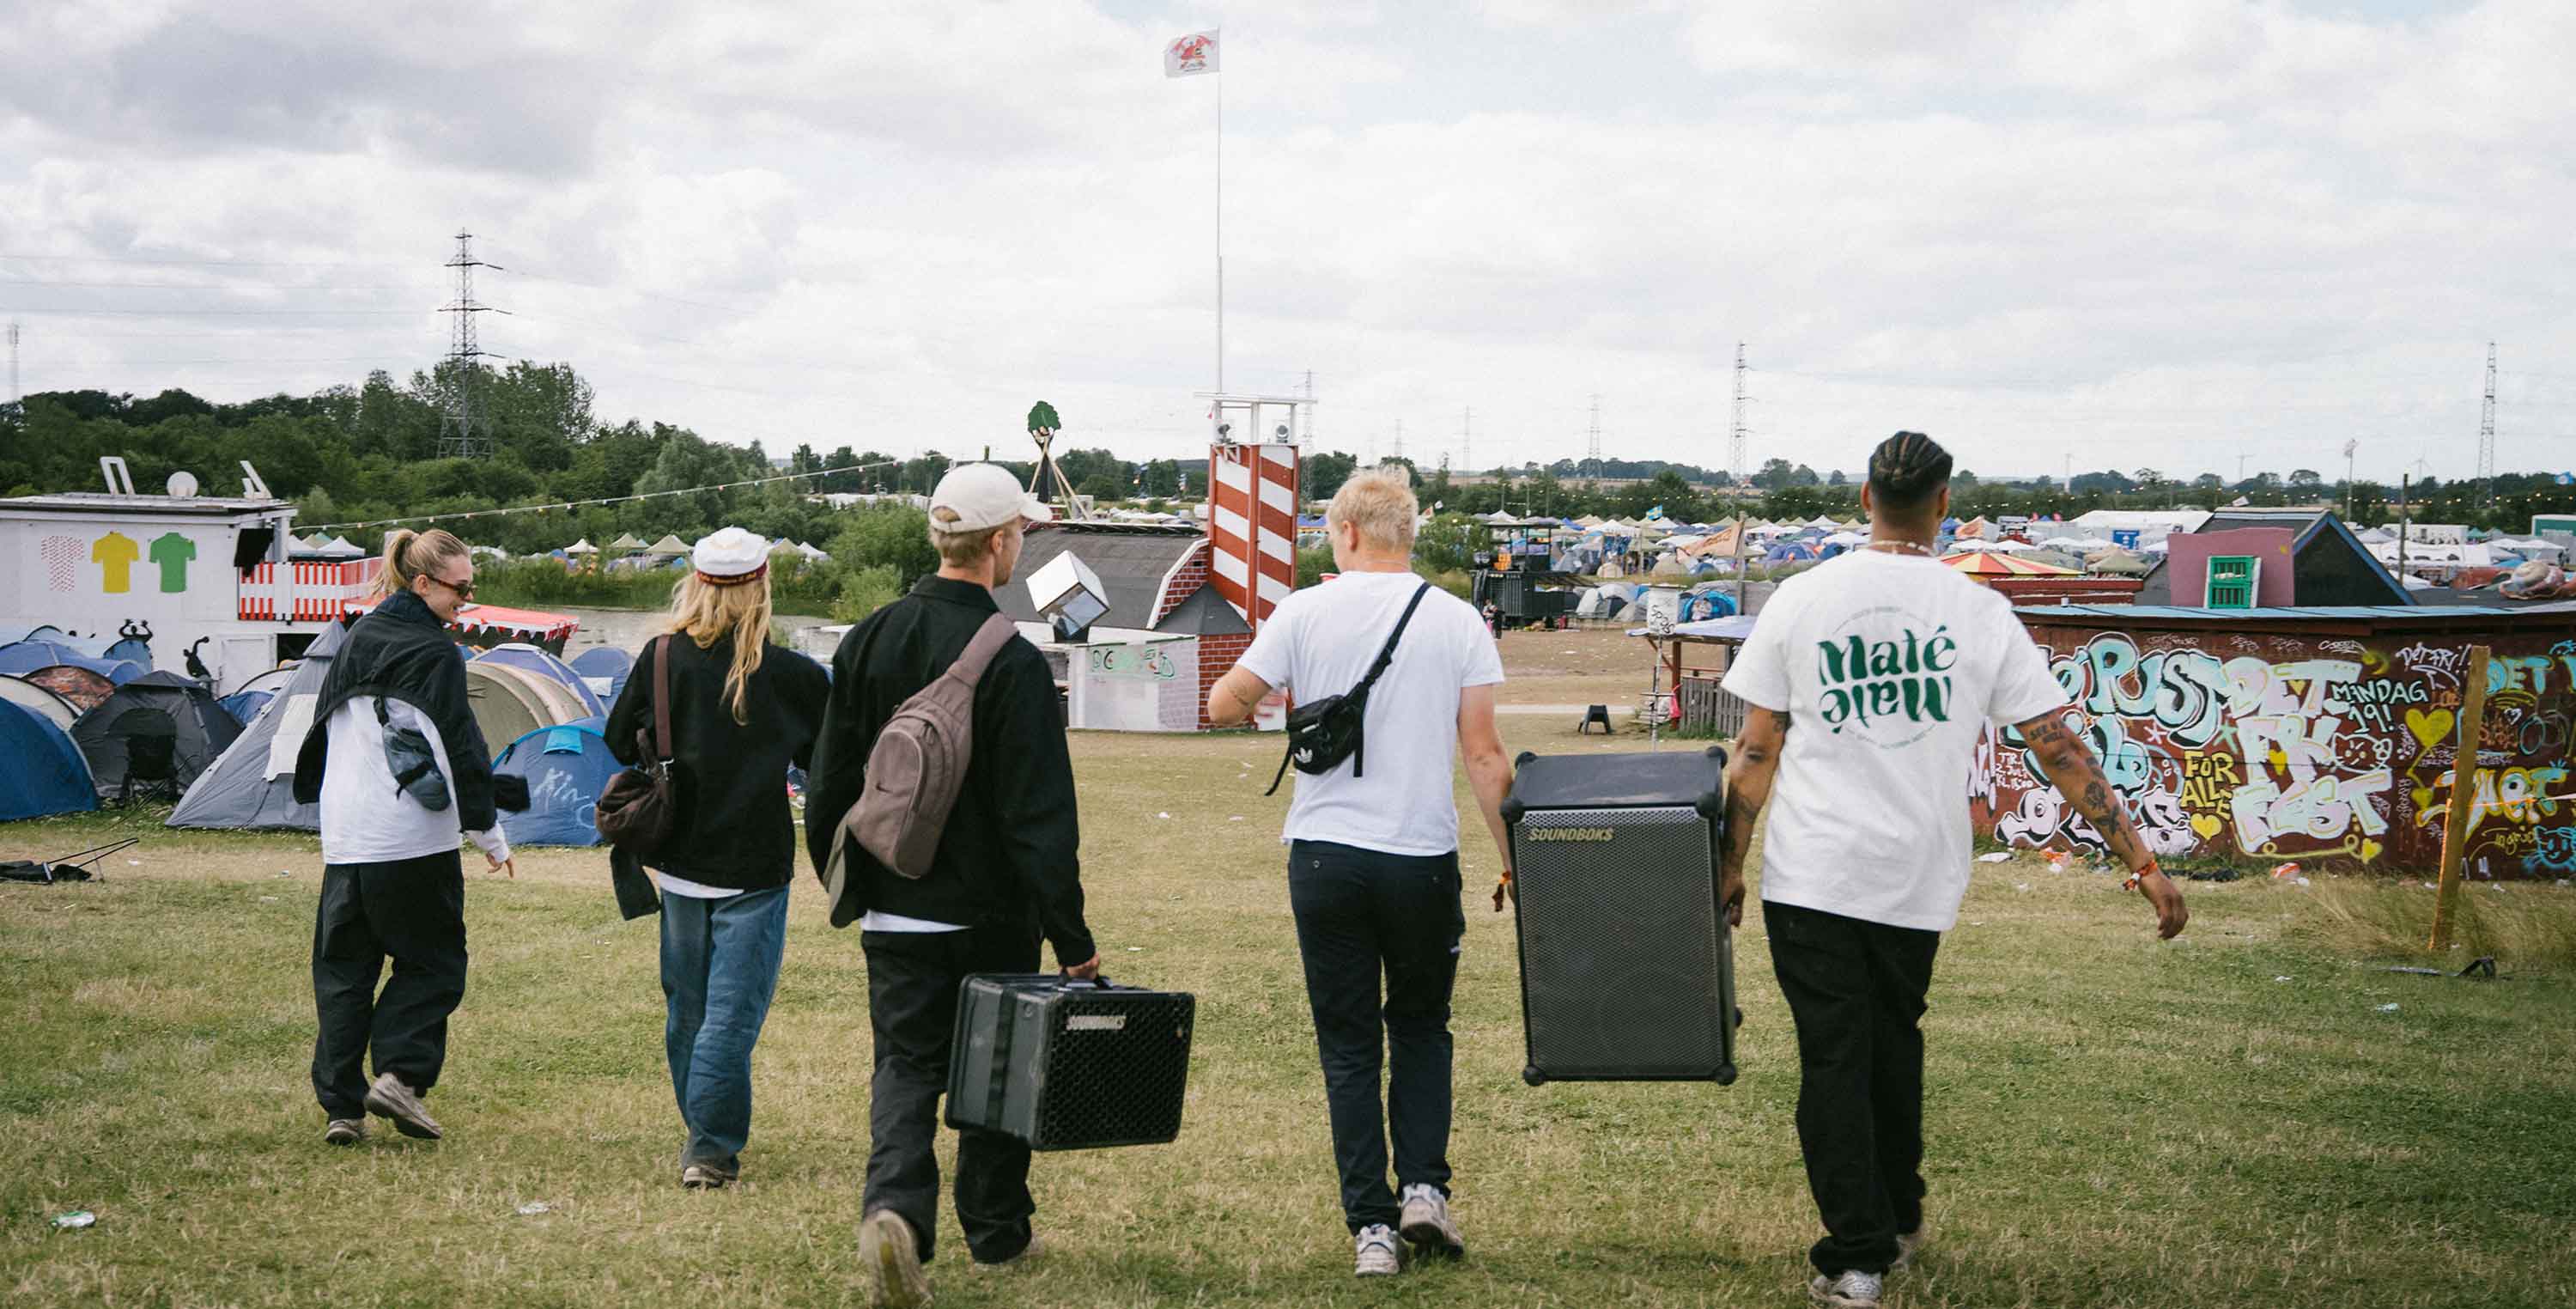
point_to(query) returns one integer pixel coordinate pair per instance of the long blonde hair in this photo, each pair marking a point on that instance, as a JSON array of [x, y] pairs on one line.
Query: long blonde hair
[[409, 554], [706, 613]]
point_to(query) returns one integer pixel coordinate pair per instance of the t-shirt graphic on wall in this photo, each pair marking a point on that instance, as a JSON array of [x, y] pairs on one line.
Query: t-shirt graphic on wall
[[114, 554], [173, 552], [1884, 676], [62, 556]]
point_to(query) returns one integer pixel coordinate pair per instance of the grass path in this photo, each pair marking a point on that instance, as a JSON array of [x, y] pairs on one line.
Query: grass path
[[2113, 1121]]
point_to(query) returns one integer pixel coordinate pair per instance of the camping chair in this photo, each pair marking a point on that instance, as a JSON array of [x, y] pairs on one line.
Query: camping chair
[[1599, 713], [70, 868], [151, 742]]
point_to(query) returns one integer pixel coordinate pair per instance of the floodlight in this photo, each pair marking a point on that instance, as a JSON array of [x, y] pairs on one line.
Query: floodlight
[[1069, 596]]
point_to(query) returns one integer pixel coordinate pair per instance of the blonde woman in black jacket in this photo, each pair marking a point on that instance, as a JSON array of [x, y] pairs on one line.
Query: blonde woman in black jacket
[[741, 710]]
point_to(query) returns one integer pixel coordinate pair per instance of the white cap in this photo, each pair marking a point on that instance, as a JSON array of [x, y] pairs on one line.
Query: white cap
[[982, 496], [731, 556]]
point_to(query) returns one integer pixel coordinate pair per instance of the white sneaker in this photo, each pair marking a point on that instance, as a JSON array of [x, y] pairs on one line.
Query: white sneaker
[[1852, 1290], [1427, 1222], [893, 1261], [1379, 1255]]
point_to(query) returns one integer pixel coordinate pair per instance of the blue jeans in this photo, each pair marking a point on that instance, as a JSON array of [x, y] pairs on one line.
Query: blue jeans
[[719, 970]]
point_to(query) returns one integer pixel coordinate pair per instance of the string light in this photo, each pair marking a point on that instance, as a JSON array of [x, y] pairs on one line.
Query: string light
[[605, 500]]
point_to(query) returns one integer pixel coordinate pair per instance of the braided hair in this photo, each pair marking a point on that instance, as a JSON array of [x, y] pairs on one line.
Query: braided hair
[[1906, 470]]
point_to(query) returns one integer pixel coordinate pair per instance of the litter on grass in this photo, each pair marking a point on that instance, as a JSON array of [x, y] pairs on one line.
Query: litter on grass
[[76, 1218], [2388, 1008], [2280, 979], [534, 1207], [2286, 870], [1995, 857]]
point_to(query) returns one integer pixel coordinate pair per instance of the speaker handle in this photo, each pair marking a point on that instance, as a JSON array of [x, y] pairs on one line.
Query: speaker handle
[[1099, 981]]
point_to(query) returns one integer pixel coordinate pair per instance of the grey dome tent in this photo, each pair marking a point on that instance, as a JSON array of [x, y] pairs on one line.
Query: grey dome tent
[[160, 731], [253, 783]]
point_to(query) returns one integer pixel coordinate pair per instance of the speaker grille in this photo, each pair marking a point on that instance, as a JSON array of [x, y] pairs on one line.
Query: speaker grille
[[1625, 970]]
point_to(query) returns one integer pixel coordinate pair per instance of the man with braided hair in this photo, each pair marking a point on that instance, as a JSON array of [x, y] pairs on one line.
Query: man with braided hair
[[1868, 682]]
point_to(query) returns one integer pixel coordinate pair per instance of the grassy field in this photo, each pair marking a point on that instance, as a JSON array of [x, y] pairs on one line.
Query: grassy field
[[2230, 1119]]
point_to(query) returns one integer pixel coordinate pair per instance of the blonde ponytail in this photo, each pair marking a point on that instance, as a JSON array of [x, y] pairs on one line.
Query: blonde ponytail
[[409, 554]]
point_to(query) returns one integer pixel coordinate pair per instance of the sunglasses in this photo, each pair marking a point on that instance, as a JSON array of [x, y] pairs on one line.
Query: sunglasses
[[464, 590]]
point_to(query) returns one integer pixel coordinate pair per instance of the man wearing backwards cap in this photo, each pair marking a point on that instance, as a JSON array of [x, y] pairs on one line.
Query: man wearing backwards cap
[[1005, 874]]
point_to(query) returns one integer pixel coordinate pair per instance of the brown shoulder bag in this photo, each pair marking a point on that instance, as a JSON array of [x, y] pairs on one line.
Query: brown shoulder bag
[[639, 807]]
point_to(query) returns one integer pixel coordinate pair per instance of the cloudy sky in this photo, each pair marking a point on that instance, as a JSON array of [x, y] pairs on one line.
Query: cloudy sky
[[2121, 233]]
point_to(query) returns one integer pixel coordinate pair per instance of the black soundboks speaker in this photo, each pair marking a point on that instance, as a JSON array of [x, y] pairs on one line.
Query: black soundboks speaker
[[1068, 1065], [1627, 967]]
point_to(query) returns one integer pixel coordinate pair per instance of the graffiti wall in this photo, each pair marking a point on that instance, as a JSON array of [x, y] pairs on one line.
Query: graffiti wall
[[1134, 686], [2333, 751]]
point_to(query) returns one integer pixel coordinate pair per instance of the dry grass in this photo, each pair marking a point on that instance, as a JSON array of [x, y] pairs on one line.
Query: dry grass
[[2525, 926], [2113, 1120]]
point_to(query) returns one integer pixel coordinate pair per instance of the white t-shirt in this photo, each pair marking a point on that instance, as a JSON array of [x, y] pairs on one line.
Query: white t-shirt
[[1321, 641], [366, 818], [1889, 668]]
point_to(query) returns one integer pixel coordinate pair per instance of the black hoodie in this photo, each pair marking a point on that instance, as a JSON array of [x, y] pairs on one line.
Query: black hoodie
[[402, 652]]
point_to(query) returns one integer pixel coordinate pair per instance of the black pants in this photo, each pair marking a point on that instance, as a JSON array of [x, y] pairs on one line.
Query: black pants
[[1360, 912], [913, 979], [412, 911], [1856, 990]]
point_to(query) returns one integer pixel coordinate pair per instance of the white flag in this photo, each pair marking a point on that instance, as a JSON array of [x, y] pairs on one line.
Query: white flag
[[1190, 55]]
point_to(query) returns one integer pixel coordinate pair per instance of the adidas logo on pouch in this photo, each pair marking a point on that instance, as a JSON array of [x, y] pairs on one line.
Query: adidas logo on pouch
[[1095, 1023]]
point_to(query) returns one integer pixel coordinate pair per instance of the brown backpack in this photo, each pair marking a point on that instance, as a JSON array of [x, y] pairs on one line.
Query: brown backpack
[[915, 770]]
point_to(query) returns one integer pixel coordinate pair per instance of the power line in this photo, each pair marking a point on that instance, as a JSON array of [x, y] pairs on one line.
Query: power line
[[2486, 434], [553, 505], [1735, 454], [463, 432]]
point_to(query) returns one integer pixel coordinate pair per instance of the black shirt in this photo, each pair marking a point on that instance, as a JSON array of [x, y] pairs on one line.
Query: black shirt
[[1009, 856], [734, 829]]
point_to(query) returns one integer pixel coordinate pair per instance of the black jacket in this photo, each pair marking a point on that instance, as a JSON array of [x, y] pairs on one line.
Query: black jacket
[[400, 651], [734, 828], [1009, 857]]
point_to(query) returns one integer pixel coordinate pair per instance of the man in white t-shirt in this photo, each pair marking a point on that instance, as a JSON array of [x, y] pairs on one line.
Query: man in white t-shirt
[[1373, 850], [1889, 665]]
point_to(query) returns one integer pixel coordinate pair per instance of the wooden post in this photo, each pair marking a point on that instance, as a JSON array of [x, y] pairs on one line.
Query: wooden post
[[2464, 797]]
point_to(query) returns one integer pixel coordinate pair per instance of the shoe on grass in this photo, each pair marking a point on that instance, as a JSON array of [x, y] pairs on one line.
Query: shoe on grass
[[892, 1257], [1032, 1250], [387, 1097], [1380, 1254], [1428, 1224], [1852, 1290], [1907, 1243], [345, 1131], [702, 1176]]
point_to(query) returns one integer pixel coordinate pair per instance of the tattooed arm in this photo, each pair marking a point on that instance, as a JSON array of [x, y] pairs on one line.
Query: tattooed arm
[[1748, 787], [2068, 764]]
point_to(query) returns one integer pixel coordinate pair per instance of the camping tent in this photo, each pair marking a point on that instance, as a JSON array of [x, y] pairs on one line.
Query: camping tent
[[45, 774], [275, 679], [136, 650], [79, 687], [27, 656], [581, 547], [1989, 563], [669, 547], [626, 541], [566, 768], [510, 702], [158, 728], [534, 660], [604, 668], [38, 700], [253, 783], [245, 705]]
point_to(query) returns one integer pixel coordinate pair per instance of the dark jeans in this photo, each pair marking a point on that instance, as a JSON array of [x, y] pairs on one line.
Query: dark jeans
[[1360, 912], [412, 911], [719, 970], [913, 978], [1856, 990]]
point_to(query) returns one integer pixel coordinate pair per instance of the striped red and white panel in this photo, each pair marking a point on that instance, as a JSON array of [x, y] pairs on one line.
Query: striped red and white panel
[[1252, 526]]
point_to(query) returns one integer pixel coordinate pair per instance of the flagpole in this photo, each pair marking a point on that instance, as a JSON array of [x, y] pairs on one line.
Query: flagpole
[[1220, 212]]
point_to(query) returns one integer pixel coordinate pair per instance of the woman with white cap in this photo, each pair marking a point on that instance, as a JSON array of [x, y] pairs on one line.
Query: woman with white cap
[[741, 710]]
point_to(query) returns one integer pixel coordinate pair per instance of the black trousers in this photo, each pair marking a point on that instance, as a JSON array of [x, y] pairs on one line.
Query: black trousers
[[913, 979], [1360, 913], [413, 912], [1856, 990]]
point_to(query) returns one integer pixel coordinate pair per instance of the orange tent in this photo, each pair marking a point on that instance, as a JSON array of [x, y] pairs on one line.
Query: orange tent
[[1989, 563]]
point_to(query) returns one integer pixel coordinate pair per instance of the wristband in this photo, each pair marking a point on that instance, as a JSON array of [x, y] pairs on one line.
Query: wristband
[[2140, 874]]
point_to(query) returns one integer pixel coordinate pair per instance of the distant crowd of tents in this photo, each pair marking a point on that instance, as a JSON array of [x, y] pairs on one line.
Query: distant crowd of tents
[[88, 728]]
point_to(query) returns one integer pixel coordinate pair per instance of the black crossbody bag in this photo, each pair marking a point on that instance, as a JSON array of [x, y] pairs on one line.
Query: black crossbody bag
[[1323, 733]]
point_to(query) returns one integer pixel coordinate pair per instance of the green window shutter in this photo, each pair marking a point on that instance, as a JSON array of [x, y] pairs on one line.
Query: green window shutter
[[2231, 582]]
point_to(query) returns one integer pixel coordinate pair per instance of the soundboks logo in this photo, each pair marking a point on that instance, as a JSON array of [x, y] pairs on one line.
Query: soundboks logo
[[1572, 834], [1095, 1023]]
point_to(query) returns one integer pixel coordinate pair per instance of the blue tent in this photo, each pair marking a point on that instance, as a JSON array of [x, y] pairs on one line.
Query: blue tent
[[26, 657], [245, 705], [46, 774], [604, 665], [132, 648], [519, 655], [566, 768]]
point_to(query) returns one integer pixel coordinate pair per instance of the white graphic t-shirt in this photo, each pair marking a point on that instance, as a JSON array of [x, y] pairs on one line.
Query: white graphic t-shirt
[[1889, 668]]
